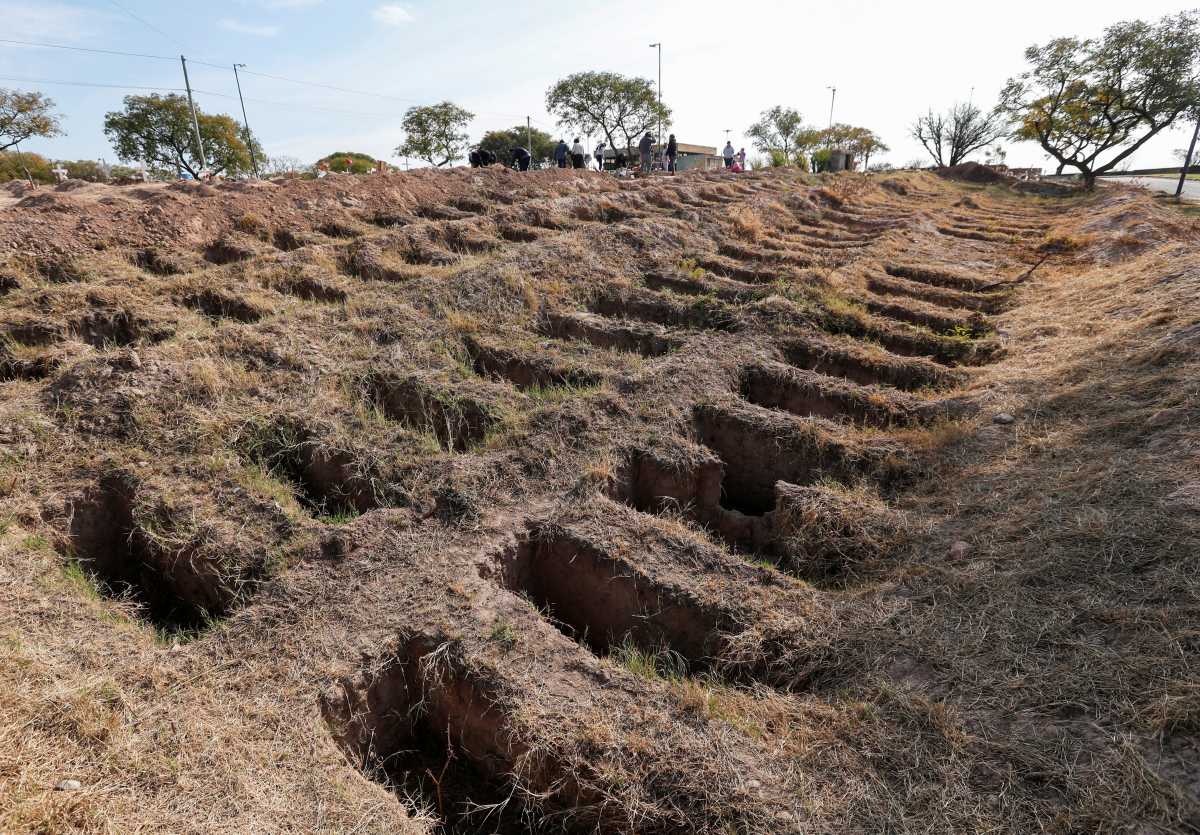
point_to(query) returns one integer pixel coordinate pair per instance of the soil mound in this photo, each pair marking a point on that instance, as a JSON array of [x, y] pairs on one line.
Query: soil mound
[[973, 172]]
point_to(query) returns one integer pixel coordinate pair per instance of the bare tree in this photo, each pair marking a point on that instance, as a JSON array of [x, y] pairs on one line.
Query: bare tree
[[951, 137]]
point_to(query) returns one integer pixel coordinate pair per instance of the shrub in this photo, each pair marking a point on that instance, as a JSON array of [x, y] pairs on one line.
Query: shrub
[[11, 169]]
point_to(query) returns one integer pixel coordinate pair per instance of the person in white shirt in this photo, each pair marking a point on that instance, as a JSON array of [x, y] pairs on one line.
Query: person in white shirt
[[600, 156], [728, 153], [577, 153]]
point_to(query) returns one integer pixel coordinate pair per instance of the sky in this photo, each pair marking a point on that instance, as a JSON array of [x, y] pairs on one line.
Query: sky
[[722, 63]]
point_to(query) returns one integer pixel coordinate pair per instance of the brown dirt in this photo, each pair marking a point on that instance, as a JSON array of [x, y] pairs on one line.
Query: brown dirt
[[478, 501]]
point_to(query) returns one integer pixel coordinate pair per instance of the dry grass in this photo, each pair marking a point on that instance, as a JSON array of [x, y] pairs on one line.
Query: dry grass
[[961, 625]]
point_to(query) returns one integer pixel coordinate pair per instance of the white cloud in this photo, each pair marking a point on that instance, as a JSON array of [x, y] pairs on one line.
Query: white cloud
[[248, 28], [392, 14], [291, 4]]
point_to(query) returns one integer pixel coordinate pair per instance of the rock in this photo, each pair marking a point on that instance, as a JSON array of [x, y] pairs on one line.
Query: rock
[[68, 786], [959, 550], [1003, 418]]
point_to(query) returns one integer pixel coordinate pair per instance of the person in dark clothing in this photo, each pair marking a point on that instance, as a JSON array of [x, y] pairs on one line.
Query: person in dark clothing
[[474, 158], [621, 160], [645, 147], [487, 158], [672, 152], [561, 152], [522, 158]]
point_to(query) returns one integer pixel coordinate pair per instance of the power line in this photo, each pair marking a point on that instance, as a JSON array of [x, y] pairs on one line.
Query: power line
[[148, 24], [90, 84], [331, 87], [87, 49], [109, 52]]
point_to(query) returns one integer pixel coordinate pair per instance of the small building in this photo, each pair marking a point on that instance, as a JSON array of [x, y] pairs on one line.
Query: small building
[[703, 157]]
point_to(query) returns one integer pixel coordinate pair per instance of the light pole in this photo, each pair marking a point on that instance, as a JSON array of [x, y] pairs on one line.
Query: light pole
[[658, 46], [832, 99], [245, 120]]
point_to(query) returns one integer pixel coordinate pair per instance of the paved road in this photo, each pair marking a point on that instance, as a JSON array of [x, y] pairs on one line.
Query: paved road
[[1191, 188]]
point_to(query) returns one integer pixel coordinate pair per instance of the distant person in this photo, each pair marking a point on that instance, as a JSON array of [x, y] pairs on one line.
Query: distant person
[[577, 154], [561, 151], [622, 160], [600, 157], [728, 154], [741, 158], [349, 163], [487, 158], [644, 149], [474, 158], [522, 158], [672, 153]]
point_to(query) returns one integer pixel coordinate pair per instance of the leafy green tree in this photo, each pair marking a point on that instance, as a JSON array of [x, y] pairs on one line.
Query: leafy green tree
[[24, 116], [436, 133], [82, 169], [619, 107], [951, 137], [859, 143], [1091, 103], [348, 162], [501, 143], [778, 130], [158, 131], [25, 165]]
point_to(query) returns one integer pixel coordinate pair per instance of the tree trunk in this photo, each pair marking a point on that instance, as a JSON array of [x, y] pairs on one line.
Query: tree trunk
[[1058, 172]]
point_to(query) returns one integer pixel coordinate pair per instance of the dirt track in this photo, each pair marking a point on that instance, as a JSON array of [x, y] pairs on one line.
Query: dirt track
[[748, 504]]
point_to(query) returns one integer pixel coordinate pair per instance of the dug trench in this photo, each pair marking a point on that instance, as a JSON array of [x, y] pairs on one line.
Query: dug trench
[[631, 660], [425, 726], [126, 547]]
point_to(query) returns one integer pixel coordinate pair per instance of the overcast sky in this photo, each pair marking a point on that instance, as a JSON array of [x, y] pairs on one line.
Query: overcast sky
[[723, 62]]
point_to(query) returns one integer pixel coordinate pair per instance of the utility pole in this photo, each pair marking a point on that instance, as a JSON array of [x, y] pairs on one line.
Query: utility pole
[[245, 121], [529, 136], [832, 99], [660, 136], [195, 121], [1187, 162]]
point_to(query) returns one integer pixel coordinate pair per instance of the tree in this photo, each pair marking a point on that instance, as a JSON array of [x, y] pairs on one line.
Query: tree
[[348, 162], [962, 130], [24, 116], [1084, 99], [281, 165], [158, 130], [27, 166], [858, 143], [866, 144], [436, 133], [615, 105], [779, 130], [501, 143]]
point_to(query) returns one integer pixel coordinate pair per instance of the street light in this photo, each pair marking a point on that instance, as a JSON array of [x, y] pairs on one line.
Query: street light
[[832, 99], [658, 46]]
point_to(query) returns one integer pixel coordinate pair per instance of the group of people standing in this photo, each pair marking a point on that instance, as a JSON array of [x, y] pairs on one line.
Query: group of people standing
[[575, 156], [735, 161]]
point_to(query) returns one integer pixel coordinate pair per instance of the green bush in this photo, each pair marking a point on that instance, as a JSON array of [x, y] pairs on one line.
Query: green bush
[[10, 167], [359, 163]]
